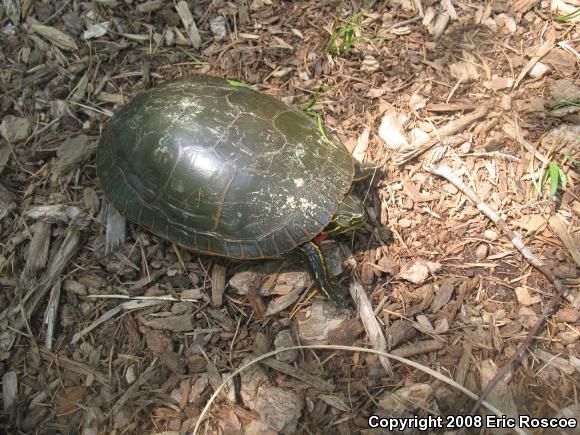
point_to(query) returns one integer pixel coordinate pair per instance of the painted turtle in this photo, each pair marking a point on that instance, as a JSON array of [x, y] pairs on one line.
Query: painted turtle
[[224, 170]]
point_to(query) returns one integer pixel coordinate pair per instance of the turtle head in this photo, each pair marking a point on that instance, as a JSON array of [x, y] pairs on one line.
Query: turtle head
[[349, 216]]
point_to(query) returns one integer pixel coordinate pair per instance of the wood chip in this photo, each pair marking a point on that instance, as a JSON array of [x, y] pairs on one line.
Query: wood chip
[[555, 361], [312, 381], [218, 284], [279, 408], [54, 36], [370, 323], [391, 130], [315, 325], [417, 272], [9, 391], [181, 323], [501, 396], [540, 52], [149, 6], [188, 22], [407, 153], [14, 128], [570, 240], [419, 348]]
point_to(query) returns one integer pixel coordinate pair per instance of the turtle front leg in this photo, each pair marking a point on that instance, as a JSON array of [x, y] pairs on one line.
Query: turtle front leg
[[325, 283]]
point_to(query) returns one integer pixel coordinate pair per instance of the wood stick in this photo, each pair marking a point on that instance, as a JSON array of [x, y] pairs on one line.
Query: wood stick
[[407, 153]]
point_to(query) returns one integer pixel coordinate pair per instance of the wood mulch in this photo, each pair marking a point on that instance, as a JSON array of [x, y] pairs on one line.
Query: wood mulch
[[138, 340]]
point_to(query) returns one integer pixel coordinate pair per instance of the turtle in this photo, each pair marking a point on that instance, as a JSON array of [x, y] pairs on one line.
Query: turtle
[[222, 169]]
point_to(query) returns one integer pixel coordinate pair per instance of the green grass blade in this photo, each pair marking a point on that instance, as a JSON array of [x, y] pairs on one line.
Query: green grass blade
[[567, 16], [236, 84]]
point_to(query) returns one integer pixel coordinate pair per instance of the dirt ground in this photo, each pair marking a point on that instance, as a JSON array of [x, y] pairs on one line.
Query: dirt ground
[[137, 338]]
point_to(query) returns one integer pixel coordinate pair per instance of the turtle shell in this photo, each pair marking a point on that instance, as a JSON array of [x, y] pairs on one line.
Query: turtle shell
[[222, 169]]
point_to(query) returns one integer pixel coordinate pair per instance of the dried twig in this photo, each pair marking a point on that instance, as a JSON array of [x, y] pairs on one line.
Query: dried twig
[[407, 153], [562, 290], [74, 366], [410, 363], [218, 284], [541, 52], [131, 305], [419, 348], [310, 380], [51, 317], [134, 388], [370, 323]]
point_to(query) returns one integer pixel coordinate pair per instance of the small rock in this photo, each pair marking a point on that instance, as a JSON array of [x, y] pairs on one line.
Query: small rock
[[481, 251], [175, 394], [14, 128], [218, 28], [169, 37], [525, 298], [568, 315], [130, 376], [418, 271], [538, 70], [405, 223], [490, 235], [284, 339]]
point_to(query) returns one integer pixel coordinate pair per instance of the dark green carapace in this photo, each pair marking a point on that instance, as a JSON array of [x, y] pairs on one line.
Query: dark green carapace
[[221, 169]]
